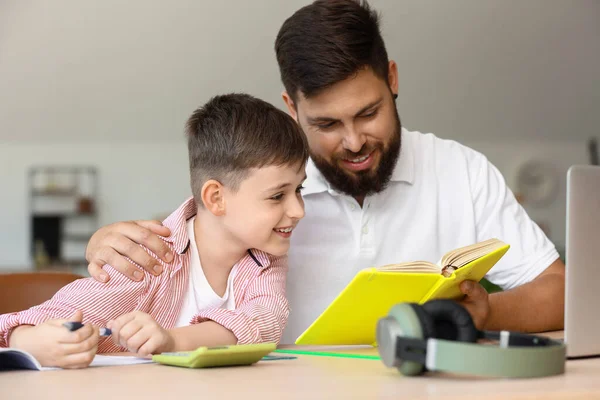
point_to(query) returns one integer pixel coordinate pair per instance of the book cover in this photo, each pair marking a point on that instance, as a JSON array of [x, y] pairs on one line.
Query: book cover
[[14, 359], [352, 317]]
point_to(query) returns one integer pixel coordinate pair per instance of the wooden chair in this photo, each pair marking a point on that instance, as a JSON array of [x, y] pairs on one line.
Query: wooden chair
[[19, 291]]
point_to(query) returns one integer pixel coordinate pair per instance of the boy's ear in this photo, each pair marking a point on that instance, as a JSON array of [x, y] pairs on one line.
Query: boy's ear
[[212, 197]]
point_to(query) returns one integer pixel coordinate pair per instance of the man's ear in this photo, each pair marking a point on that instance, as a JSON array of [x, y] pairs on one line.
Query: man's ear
[[290, 105], [213, 197], [393, 77]]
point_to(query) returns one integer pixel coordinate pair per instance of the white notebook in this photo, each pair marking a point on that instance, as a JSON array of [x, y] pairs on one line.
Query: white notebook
[[15, 359]]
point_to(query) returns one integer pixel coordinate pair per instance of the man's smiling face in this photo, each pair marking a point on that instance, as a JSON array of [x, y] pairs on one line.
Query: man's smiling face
[[353, 131]]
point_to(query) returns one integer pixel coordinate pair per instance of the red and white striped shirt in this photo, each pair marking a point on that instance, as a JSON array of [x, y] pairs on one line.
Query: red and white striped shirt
[[259, 288]]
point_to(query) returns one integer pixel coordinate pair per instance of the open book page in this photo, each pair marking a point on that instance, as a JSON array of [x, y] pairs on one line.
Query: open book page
[[450, 261], [414, 266], [464, 255], [483, 259]]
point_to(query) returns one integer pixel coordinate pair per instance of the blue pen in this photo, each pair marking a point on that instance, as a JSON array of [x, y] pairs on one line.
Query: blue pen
[[73, 326]]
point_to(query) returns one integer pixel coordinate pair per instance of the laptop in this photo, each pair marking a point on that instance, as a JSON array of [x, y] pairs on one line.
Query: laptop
[[582, 290]]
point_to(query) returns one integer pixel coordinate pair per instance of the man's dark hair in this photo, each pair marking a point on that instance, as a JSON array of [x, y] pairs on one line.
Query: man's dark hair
[[326, 42], [233, 133]]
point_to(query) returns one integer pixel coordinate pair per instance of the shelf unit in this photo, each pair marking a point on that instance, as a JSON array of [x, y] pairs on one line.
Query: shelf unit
[[63, 214]]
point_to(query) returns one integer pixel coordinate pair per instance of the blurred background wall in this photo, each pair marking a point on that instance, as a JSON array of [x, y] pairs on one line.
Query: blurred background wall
[[110, 84]]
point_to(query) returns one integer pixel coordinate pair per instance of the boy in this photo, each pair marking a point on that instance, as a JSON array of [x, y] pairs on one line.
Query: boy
[[230, 240]]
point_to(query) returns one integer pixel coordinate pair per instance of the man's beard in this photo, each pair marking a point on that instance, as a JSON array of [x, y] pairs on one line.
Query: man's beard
[[362, 183]]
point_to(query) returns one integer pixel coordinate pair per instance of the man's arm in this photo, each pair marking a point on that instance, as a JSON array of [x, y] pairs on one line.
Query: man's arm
[[531, 272], [537, 306], [113, 244]]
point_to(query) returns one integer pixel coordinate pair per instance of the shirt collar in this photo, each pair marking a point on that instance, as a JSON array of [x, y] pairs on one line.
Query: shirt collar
[[179, 239], [404, 170], [315, 182], [177, 223]]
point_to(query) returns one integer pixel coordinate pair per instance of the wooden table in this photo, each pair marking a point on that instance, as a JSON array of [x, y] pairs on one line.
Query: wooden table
[[307, 377]]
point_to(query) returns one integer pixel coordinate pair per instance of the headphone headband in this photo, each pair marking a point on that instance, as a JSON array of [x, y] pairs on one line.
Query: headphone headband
[[517, 339], [490, 360]]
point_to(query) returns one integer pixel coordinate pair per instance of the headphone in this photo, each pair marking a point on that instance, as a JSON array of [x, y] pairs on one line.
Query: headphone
[[441, 336]]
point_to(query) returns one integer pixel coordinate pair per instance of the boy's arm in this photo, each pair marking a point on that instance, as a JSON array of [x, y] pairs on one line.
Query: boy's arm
[[207, 333], [99, 303], [260, 318]]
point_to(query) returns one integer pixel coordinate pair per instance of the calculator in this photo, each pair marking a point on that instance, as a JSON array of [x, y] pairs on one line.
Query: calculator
[[219, 356]]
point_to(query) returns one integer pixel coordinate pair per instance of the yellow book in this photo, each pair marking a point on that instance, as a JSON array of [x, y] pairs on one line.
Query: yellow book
[[352, 317]]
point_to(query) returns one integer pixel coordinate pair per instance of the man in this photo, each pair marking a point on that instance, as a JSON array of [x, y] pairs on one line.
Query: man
[[377, 193]]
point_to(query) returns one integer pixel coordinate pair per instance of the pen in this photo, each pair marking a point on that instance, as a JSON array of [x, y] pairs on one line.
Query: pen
[[73, 326]]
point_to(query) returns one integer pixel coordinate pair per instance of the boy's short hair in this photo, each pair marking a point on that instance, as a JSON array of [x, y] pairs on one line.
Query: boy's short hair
[[327, 42], [233, 133]]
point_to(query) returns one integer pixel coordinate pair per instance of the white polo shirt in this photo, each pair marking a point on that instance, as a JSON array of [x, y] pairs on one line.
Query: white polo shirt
[[442, 195]]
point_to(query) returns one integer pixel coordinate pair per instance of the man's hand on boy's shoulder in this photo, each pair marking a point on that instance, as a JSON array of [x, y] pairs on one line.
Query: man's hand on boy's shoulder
[[111, 245], [53, 345]]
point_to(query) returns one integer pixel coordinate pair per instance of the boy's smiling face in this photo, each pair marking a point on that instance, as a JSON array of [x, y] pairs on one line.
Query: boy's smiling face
[[266, 208]]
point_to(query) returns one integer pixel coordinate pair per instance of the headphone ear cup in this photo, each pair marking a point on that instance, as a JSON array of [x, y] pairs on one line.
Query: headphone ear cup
[[427, 324], [411, 327], [451, 321]]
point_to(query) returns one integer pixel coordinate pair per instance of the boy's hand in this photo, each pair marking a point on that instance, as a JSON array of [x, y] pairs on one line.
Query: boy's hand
[[53, 345], [139, 333], [476, 302]]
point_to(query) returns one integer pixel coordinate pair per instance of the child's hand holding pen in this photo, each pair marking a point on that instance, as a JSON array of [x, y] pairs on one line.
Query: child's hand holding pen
[[73, 326], [54, 346]]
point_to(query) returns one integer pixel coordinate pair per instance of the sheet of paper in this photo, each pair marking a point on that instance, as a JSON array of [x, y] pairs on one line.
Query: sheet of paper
[[110, 361], [107, 361]]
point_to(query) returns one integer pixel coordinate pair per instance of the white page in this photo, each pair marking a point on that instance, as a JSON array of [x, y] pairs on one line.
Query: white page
[[107, 361], [111, 361]]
